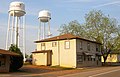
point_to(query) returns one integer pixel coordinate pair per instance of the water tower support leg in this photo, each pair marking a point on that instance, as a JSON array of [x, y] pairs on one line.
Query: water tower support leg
[[49, 33], [24, 44], [39, 31], [44, 32], [8, 29], [12, 29]]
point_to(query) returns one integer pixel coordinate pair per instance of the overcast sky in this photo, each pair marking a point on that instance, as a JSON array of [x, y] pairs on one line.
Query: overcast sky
[[63, 11]]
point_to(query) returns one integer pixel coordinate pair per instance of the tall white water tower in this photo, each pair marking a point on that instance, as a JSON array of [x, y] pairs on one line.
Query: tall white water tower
[[44, 18], [16, 26]]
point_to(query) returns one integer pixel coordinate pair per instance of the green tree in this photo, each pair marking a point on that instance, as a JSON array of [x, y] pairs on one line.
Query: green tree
[[102, 29], [116, 45], [97, 27], [73, 28], [16, 61]]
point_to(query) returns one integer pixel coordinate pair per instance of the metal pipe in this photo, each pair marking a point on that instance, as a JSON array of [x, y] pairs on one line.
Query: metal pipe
[[24, 44], [49, 33], [39, 31], [19, 28], [44, 32], [8, 32], [17, 33], [12, 30]]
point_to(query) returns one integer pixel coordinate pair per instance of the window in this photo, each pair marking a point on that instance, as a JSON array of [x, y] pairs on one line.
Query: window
[[85, 57], [99, 58], [89, 58], [2, 61], [88, 46], [2, 56], [67, 44], [79, 58], [54, 44], [97, 47], [80, 45], [42, 46]]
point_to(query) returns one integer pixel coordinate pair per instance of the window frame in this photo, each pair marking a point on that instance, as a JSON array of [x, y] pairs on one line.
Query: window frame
[[80, 45], [88, 46], [79, 58], [43, 46], [97, 47], [54, 44], [2, 61], [67, 46]]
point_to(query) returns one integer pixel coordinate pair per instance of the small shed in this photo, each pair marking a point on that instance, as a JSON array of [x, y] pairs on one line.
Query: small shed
[[5, 59]]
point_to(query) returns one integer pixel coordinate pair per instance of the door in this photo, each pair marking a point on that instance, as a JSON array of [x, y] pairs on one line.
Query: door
[[49, 58]]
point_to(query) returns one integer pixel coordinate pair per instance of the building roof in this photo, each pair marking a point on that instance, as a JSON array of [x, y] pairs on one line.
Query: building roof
[[42, 51], [6, 52], [64, 37]]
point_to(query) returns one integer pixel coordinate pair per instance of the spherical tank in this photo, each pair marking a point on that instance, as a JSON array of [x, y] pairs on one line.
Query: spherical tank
[[44, 16], [17, 9]]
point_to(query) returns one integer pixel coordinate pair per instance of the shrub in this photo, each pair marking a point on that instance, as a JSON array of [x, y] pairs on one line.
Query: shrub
[[16, 61]]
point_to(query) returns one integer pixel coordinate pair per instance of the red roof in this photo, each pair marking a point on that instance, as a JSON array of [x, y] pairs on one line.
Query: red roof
[[6, 52], [64, 37]]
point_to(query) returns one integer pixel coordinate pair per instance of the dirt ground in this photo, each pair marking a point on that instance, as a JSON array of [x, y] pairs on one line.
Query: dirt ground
[[40, 71], [45, 71]]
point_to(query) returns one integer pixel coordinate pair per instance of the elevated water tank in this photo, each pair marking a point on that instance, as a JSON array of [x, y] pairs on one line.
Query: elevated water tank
[[44, 16], [17, 9]]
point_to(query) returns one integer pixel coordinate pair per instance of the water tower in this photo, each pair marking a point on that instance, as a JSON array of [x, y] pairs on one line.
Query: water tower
[[16, 26], [44, 18]]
